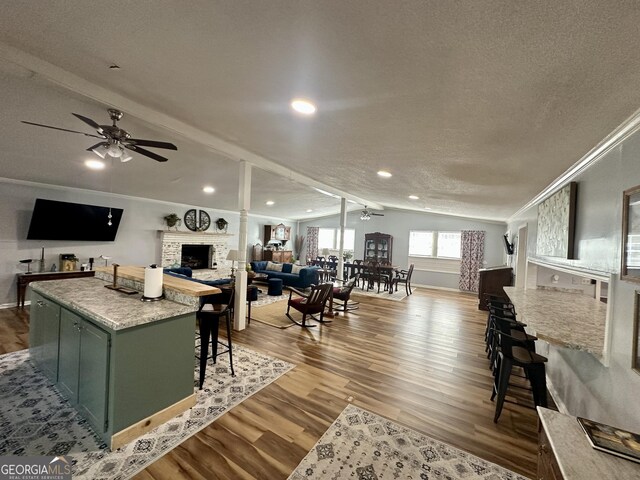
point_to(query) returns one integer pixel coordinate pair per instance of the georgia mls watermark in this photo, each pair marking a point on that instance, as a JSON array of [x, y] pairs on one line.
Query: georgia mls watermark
[[35, 468]]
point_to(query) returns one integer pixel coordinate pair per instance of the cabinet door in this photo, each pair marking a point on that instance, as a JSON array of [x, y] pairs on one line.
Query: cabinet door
[[36, 328], [93, 379], [45, 323], [286, 256], [69, 362]]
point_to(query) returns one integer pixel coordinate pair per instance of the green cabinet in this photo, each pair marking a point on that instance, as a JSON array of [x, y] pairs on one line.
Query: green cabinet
[[83, 367], [44, 335]]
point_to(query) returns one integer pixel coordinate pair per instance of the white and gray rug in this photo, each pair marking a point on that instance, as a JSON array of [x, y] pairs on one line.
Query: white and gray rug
[[364, 446], [36, 420], [398, 296]]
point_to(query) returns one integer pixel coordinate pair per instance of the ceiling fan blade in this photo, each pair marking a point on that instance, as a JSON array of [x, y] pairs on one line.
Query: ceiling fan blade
[[146, 153], [377, 214], [152, 143], [62, 129], [89, 122], [90, 149]]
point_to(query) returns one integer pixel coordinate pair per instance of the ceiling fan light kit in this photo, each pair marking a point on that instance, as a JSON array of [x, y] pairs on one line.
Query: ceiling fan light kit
[[116, 141], [366, 214]]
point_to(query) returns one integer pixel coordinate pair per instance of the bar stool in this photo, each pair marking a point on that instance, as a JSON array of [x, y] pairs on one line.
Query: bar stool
[[209, 321], [515, 328], [511, 354]]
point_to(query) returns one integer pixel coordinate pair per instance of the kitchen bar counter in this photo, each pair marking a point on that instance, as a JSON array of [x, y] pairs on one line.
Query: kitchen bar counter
[[569, 320], [126, 365], [112, 309], [575, 457]]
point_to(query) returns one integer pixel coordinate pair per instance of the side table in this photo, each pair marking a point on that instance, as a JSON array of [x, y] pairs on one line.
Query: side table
[[24, 279]]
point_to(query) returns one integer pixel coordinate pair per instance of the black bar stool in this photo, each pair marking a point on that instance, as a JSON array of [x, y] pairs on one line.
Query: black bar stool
[[512, 354], [209, 321]]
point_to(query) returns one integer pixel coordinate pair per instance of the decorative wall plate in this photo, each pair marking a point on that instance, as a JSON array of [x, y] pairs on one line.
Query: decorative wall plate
[[205, 221], [190, 220]]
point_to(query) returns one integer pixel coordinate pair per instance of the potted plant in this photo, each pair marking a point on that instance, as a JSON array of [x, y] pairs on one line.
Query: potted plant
[[347, 255], [172, 220], [222, 224]]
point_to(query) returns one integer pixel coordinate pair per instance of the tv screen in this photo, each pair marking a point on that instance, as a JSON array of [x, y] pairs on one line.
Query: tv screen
[[53, 220], [508, 246]]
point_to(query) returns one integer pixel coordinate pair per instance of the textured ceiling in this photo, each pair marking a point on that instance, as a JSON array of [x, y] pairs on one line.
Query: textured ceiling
[[474, 106]]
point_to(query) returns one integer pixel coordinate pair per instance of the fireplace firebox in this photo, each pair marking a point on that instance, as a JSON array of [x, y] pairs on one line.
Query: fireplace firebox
[[196, 256]]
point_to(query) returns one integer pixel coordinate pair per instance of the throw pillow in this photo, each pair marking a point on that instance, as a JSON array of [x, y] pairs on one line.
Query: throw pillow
[[274, 267], [296, 269]]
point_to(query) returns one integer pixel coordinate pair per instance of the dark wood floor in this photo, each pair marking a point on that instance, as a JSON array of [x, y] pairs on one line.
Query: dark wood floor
[[420, 362]]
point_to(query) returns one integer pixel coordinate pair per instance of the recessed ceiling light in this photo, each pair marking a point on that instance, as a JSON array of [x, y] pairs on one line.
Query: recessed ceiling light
[[270, 202], [384, 173], [414, 197], [309, 210], [94, 164], [302, 106], [208, 189]]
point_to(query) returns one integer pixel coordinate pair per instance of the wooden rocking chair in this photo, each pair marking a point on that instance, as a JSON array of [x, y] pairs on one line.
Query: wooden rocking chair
[[311, 303]]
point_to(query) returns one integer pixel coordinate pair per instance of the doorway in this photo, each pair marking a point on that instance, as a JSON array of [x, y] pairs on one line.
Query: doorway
[[521, 257]]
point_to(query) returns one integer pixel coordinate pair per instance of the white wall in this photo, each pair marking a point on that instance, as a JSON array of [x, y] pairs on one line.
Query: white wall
[[399, 223], [585, 386], [137, 241]]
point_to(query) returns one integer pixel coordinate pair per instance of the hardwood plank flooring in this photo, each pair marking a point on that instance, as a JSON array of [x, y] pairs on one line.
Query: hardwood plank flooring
[[420, 362]]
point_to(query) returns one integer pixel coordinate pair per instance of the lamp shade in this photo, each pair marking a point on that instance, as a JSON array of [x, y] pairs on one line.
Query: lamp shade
[[232, 255], [325, 252]]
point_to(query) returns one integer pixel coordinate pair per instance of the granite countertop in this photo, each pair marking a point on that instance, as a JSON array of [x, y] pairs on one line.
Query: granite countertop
[[567, 319], [576, 458], [114, 310]]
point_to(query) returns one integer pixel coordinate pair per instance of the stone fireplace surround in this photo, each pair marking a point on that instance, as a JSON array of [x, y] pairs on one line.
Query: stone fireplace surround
[[172, 242]]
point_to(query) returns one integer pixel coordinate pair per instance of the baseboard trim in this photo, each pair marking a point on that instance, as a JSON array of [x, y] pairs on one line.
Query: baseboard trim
[[562, 408], [13, 304], [143, 426]]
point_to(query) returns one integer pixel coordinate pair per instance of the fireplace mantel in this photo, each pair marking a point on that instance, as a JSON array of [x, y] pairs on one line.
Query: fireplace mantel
[[188, 234]]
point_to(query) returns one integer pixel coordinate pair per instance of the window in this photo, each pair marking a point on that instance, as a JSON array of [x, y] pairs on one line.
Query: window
[[420, 244], [448, 245], [434, 244], [330, 238]]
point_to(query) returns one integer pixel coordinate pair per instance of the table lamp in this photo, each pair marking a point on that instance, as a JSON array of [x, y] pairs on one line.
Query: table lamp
[[233, 256]]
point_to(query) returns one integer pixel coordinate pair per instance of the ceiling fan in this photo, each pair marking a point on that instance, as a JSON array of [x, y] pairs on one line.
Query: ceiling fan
[[366, 214], [116, 140]]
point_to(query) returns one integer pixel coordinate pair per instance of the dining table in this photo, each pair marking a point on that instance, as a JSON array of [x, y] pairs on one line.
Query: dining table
[[350, 269]]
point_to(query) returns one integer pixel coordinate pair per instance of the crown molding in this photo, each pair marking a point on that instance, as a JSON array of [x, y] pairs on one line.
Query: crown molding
[[615, 138]]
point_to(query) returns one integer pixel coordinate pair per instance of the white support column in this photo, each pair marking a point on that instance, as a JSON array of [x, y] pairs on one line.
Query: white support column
[[343, 222], [244, 201]]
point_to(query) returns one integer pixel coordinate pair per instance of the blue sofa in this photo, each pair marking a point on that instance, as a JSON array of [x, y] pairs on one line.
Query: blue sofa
[[187, 274], [304, 279]]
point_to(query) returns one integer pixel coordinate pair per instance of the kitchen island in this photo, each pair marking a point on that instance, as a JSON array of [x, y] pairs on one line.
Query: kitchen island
[[126, 365]]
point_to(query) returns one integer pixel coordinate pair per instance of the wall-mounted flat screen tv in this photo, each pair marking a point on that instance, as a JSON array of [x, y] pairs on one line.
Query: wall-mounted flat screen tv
[[53, 220]]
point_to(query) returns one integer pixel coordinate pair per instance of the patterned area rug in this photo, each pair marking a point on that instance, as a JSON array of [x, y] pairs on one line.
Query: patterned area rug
[[365, 446], [398, 296], [36, 420]]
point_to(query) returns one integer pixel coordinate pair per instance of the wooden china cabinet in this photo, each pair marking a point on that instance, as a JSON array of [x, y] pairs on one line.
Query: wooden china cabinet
[[379, 247]]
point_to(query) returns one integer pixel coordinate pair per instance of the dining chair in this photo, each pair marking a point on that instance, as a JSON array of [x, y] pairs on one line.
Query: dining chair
[[403, 276]]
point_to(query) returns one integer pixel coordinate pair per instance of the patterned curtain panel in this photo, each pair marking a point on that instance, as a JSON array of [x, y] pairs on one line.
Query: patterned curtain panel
[[471, 258], [312, 243]]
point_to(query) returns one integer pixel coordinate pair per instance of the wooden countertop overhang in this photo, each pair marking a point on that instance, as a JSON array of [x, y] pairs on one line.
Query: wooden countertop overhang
[[179, 285]]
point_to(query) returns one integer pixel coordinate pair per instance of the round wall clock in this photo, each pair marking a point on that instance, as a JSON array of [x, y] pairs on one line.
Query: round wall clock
[[197, 220], [190, 220]]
